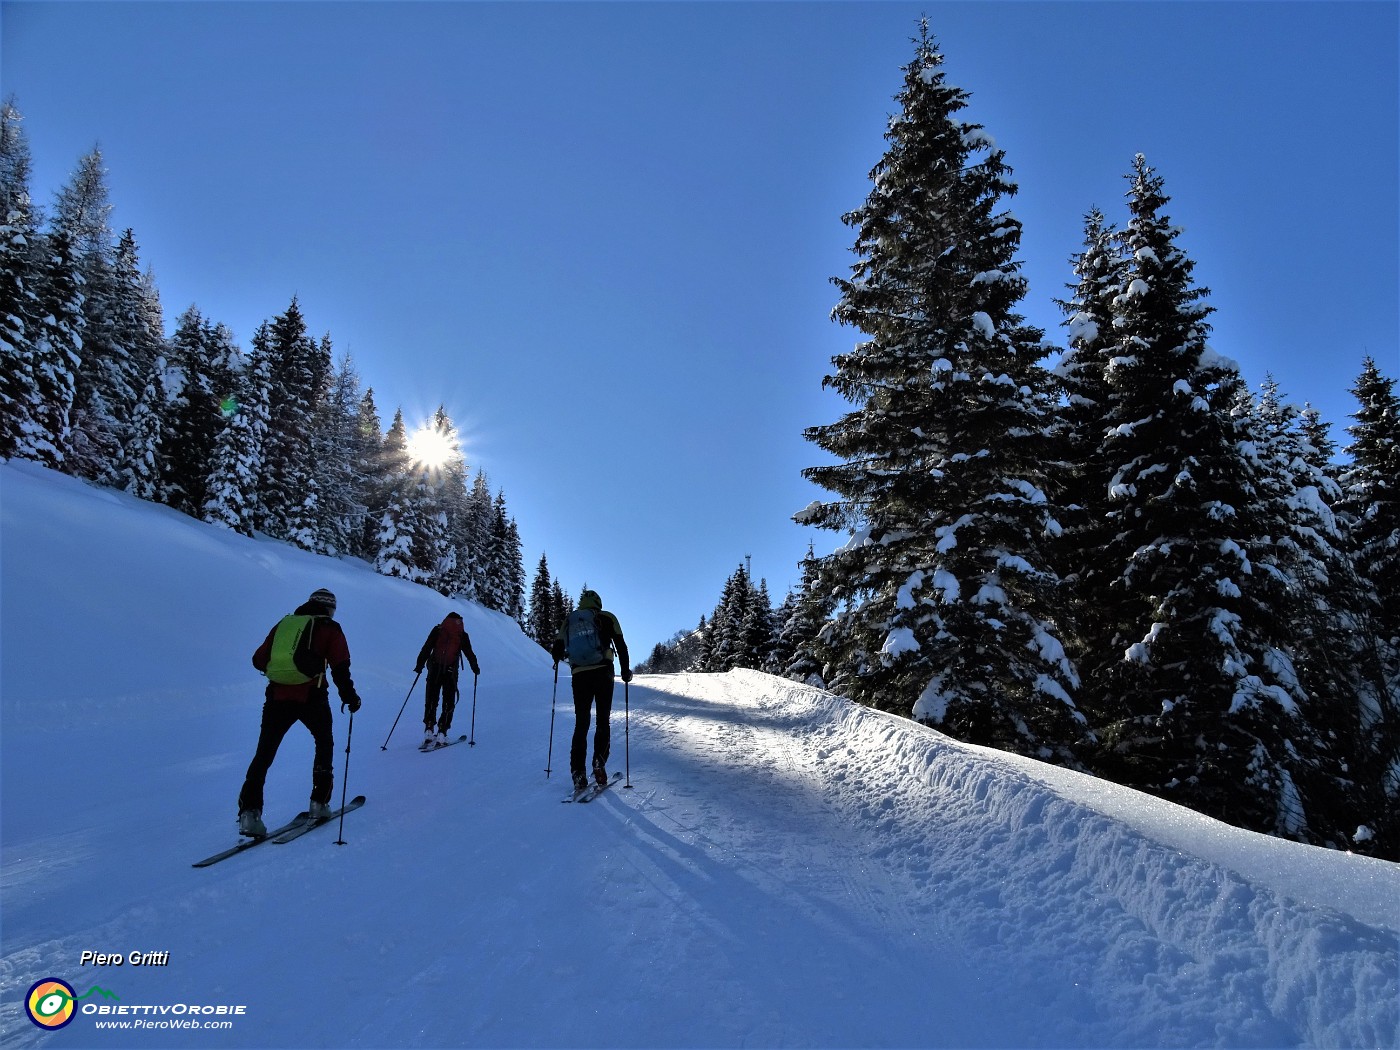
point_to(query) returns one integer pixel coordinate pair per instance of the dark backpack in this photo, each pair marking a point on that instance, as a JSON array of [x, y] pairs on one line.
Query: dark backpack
[[585, 643], [292, 661], [447, 649]]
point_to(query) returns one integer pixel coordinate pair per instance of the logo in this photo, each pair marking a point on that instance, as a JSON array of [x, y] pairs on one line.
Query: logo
[[50, 1003]]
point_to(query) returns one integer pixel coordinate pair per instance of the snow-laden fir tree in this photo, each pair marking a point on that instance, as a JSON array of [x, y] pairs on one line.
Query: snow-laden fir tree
[[800, 620], [54, 355], [1370, 507], [544, 620], [502, 584], [137, 468], [397, 541], [137, 322], [1083, 376], [1186, 674], [367, 468], [299, 377], [20, 399], [944, 594], [446, 489], [203, 365], [232, 500], [563, 603], [1371, 491], [1321, 624], [725, 649], [111, 370], [474, 537], [341, 488]]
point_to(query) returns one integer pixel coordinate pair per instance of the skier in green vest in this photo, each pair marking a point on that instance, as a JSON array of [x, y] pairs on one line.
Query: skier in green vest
[[587, 639], [294, 656]]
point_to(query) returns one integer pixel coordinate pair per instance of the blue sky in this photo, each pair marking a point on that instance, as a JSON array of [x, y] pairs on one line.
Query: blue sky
[[602, 234]]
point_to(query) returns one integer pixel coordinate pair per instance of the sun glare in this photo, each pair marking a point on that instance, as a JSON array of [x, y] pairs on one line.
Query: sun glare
[[431, 448]]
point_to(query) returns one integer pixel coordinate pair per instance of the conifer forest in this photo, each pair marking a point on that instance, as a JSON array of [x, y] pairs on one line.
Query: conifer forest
[[1107, 552]]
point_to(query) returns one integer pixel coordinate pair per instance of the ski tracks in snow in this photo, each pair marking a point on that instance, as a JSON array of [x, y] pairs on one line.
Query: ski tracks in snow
[[967, 874]]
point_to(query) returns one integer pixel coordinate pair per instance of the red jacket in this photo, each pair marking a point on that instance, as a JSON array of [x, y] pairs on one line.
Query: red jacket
[[327, 642]]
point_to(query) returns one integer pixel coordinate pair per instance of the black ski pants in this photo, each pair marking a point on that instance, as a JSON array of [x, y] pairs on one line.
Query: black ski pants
[[444, 684], [277, 718], [592, 687]]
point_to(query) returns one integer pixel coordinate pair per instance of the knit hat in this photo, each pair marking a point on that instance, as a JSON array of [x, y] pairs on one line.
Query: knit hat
[[324, 597]]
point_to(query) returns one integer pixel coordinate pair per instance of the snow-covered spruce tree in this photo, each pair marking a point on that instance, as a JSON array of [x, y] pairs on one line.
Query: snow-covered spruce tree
[[544, 621], [515, 573], [203, 365], [1370, 508], [502, 586], [446, 488], [741, 631], [397, 540], [1188, 680], [1083, 375], [369, 474], [474, 538], [20, 411], [299, 374], [111, 372], [1371, 491], [807, 610], [137, 468], [563, 603], [55, 353], [944, 594], [138, 323], [726, 644], [235, 470], [341, 518], [760, 629], [1321, 626], [783, 646], [704, 642]]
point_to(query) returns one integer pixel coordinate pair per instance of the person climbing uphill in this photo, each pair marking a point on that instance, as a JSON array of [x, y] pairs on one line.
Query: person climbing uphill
[[588, 639], [294, 656], [442, 654]]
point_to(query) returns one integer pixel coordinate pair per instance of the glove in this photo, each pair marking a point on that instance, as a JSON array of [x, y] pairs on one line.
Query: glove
[[418, 669], [627, 674], [353, 703], [476, 670]]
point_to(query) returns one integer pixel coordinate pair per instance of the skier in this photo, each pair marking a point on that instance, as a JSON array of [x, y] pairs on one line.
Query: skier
[[442, 654], [586, 640], [294, 656]]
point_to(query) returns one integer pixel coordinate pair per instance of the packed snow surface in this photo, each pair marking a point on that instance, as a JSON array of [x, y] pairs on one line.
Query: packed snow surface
[[785, 868]]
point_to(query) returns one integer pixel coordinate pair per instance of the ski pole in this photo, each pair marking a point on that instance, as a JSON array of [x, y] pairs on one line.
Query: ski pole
[[345, 778], [552, 700], [627, 732], [472, 741], [385, 746]]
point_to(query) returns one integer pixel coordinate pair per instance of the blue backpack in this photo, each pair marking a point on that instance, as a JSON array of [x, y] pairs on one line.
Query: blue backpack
[[585, 645]]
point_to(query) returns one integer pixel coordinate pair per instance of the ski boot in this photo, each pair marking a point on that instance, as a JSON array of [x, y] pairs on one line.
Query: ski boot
[[250, 823]]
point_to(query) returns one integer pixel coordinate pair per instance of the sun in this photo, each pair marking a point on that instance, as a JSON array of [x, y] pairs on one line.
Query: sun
[[432, 448]]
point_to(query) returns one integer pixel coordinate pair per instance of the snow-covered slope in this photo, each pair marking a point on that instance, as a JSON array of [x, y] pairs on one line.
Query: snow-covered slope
[[786, 869]]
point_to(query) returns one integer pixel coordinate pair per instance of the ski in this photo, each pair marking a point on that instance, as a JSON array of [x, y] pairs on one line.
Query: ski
[[439, 747], [304, 822], [592, 791], [250, 843], [598, 789]]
